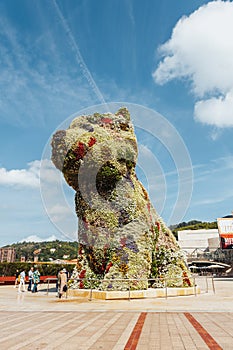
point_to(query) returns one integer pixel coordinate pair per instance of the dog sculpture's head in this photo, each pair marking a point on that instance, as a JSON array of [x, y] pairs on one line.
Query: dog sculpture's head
[[105, 140], [96, 154]]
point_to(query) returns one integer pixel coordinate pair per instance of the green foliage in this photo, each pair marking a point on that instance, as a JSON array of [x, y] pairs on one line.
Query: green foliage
[[174, 276], [61, 248], [107, 178]]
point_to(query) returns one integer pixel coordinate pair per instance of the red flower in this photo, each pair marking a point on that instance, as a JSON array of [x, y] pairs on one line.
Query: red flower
[[82, 274], [106, 120], [92, 141], [109, 266], [123, 241], [85, 223], [186, 279], [158, 225], [79, 151]]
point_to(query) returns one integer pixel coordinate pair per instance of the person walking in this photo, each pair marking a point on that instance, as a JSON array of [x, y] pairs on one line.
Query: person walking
[[16, 278], [36, 280], [63, 282], [58, 282], [30, 279], [22, 281]]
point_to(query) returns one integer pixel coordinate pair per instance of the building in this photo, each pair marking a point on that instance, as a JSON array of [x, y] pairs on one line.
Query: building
[[191, 241], [7, 255], [225, 229]]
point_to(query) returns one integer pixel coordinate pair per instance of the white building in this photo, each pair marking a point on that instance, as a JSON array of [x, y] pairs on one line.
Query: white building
[[198, 240]]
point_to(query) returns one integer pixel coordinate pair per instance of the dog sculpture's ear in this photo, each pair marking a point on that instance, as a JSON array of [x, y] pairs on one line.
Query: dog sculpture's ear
[[123, 111], [59, 149]]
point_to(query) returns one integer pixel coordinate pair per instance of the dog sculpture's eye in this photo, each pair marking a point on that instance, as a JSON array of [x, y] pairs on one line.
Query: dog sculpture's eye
[[106, 179]]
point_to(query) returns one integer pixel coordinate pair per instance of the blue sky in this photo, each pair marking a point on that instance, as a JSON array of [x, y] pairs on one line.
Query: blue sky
[[172, 58]]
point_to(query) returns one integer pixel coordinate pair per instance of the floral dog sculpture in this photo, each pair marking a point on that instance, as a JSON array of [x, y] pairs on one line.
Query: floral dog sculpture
[[121, 237]]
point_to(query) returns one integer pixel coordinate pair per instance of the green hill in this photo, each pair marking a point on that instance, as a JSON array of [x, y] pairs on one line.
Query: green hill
[[46, 251], [193, 225]]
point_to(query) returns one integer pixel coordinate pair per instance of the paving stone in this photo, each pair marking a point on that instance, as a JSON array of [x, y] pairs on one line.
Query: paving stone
[[42, 322]]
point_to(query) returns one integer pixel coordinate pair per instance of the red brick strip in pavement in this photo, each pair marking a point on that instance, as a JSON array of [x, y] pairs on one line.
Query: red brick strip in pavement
[[134, 337], [210, 342]]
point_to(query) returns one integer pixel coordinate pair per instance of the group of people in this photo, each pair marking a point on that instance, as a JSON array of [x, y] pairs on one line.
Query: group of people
[[33, 280]]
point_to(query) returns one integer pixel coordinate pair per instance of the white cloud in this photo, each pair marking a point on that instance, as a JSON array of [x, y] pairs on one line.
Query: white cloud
[[35, 238], [215, 111], [38, 171], [21, 177], [201, 50]]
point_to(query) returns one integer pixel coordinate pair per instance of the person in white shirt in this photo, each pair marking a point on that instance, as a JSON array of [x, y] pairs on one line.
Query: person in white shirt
[[22, 281], [30, 279]]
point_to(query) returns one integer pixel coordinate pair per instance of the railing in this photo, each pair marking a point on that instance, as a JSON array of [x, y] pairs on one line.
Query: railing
[[164, 283], [218, 255], [206, 282], [49, 280]]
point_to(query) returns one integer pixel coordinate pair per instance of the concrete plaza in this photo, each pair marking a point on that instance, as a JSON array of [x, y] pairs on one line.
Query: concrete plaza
[[42, 321]]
